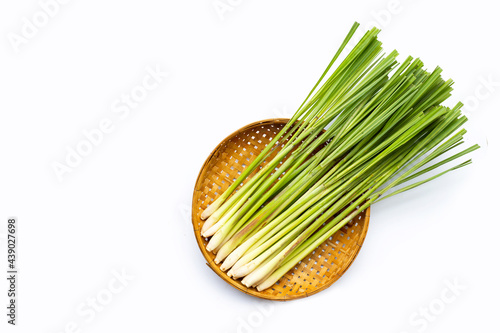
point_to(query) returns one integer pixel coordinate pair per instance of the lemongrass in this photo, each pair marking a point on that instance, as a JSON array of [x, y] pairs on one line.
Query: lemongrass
[[380, 130]]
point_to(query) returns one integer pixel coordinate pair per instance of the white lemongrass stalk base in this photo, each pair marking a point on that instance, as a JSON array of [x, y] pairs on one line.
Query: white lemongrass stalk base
[[218, 223], [268, 282], [226, 239], [223, 253], [215, 241], [244, 260], [213, 219], [231, 259], [212, 208], [256, 277], [244, 270]]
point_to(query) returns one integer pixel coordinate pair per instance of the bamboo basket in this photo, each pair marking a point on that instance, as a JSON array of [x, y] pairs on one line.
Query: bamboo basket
[[321, 268]]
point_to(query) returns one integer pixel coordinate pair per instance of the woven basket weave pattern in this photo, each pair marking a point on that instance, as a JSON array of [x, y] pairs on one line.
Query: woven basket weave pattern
[[319, 269]]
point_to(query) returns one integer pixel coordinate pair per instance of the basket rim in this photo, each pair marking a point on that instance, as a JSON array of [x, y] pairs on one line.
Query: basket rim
[[210, 263]]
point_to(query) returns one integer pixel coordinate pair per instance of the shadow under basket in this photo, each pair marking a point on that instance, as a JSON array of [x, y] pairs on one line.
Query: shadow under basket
[[316, 272]]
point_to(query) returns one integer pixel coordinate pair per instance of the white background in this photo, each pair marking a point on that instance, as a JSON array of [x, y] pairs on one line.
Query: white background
[[127, 205]]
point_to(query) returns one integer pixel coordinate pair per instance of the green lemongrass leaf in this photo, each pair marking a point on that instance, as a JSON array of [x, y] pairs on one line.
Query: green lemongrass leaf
[[409, 187], [437, 165]]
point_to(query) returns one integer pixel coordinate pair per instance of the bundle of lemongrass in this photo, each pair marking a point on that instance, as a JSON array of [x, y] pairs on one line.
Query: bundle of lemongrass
[[369, 127]]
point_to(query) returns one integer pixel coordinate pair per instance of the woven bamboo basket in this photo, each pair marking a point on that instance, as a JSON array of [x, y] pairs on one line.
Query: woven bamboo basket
[[318, 270]]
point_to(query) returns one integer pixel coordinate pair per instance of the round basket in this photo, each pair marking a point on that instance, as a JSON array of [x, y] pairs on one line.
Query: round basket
[[318, 270]]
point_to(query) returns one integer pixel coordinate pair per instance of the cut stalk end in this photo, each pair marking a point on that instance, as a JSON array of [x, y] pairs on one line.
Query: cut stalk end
[[211, 209], [244, 270], [231, 260], [213, 219]]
